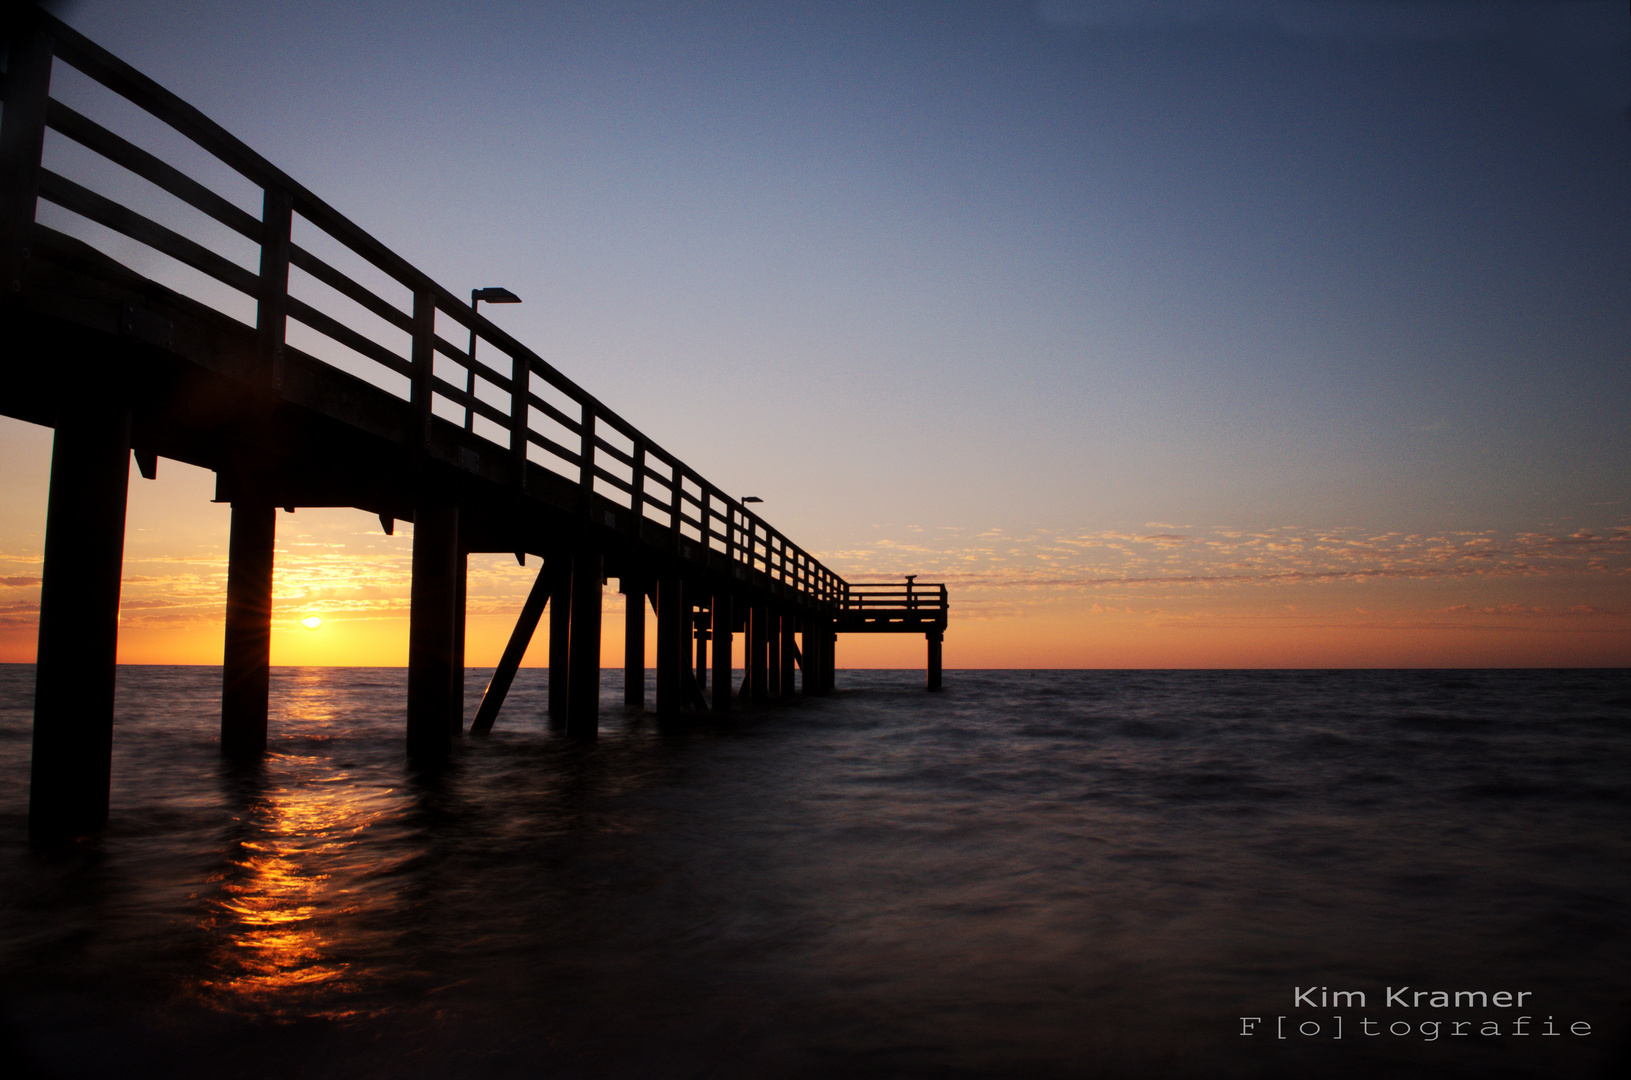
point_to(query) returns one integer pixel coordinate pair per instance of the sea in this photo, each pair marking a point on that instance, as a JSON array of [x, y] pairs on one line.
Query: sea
[[1030, 874]]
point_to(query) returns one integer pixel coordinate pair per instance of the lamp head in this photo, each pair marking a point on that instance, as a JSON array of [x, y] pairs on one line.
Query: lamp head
[[493, 294]]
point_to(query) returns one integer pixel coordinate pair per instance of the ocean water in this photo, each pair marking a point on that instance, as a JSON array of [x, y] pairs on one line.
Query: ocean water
[[1030, 874]]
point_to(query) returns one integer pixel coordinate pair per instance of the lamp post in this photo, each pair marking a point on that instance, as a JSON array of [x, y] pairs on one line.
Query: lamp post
[[493, 294], [746, 528]]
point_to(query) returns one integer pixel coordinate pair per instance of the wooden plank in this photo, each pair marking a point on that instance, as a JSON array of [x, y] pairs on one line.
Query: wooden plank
[[612, 451], [104, 211], [332, 327], [126, 81], [613, 479], [88, 133], [345, 286], [568, 456], [462, 398], [553, 413], [464, 360]]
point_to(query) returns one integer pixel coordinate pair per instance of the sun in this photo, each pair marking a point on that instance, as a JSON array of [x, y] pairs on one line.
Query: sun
[[311, 622]]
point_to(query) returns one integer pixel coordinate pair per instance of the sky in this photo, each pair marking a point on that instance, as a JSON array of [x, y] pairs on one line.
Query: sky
[[1179, 333]]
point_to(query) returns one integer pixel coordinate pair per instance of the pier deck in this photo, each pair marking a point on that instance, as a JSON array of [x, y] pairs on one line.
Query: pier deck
[[309, 365]]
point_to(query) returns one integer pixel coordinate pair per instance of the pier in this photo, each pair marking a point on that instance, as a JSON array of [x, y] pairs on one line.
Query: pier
[[483, 446]]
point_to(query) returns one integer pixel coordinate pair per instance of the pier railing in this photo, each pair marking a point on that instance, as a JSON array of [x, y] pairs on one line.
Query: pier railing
[[892, 605], [310, 283]]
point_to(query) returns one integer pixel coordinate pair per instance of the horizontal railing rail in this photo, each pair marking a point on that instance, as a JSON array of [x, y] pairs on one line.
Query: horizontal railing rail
[[893, 596], [523, 405]]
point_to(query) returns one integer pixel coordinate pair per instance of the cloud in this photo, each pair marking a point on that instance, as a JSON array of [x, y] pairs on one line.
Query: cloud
[[20, 581], [1111, 563]]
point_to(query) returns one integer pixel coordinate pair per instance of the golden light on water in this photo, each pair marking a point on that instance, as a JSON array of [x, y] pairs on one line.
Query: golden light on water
[[311, 622], [284, 910]]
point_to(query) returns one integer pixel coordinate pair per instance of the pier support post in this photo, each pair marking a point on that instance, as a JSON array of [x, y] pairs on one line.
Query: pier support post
[[829, 658], [560, 633], [810, 661], [788, 648], [671, 658], [431, 630], [935, 638], [634, 644], [461, 581], [758, 647], [583, 685], [773, 654], [246, 663], [74, 668], [499, 687], [815, 646], [702, 633], [722, 650]]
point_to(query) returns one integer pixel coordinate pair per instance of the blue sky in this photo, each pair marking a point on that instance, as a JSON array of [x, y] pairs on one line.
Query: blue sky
[[916, 271]]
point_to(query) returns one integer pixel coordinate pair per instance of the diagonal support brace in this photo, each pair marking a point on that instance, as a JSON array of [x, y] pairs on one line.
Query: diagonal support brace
[[531, 611]]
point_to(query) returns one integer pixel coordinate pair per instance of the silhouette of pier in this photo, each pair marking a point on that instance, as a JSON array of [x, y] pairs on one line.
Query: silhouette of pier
[[310, 366]]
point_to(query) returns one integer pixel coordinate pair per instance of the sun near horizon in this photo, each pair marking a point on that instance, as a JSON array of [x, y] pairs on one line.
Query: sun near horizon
[[341, 592]]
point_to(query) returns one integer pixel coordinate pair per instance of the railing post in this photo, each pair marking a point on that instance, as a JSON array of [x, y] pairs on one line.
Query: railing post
[[586, 457], [637, 497], [676, 509], [470, 379], [22, 141], [272, 305], [520, 372], [423, 364]]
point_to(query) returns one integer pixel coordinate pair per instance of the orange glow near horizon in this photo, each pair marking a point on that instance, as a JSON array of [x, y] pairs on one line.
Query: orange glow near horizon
[[1171, 597]]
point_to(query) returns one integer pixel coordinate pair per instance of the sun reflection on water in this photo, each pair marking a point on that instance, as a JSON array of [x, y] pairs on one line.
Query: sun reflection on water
[[287, 917]]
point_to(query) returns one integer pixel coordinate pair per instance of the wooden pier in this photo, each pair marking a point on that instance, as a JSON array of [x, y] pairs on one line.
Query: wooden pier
[[485, 447]]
